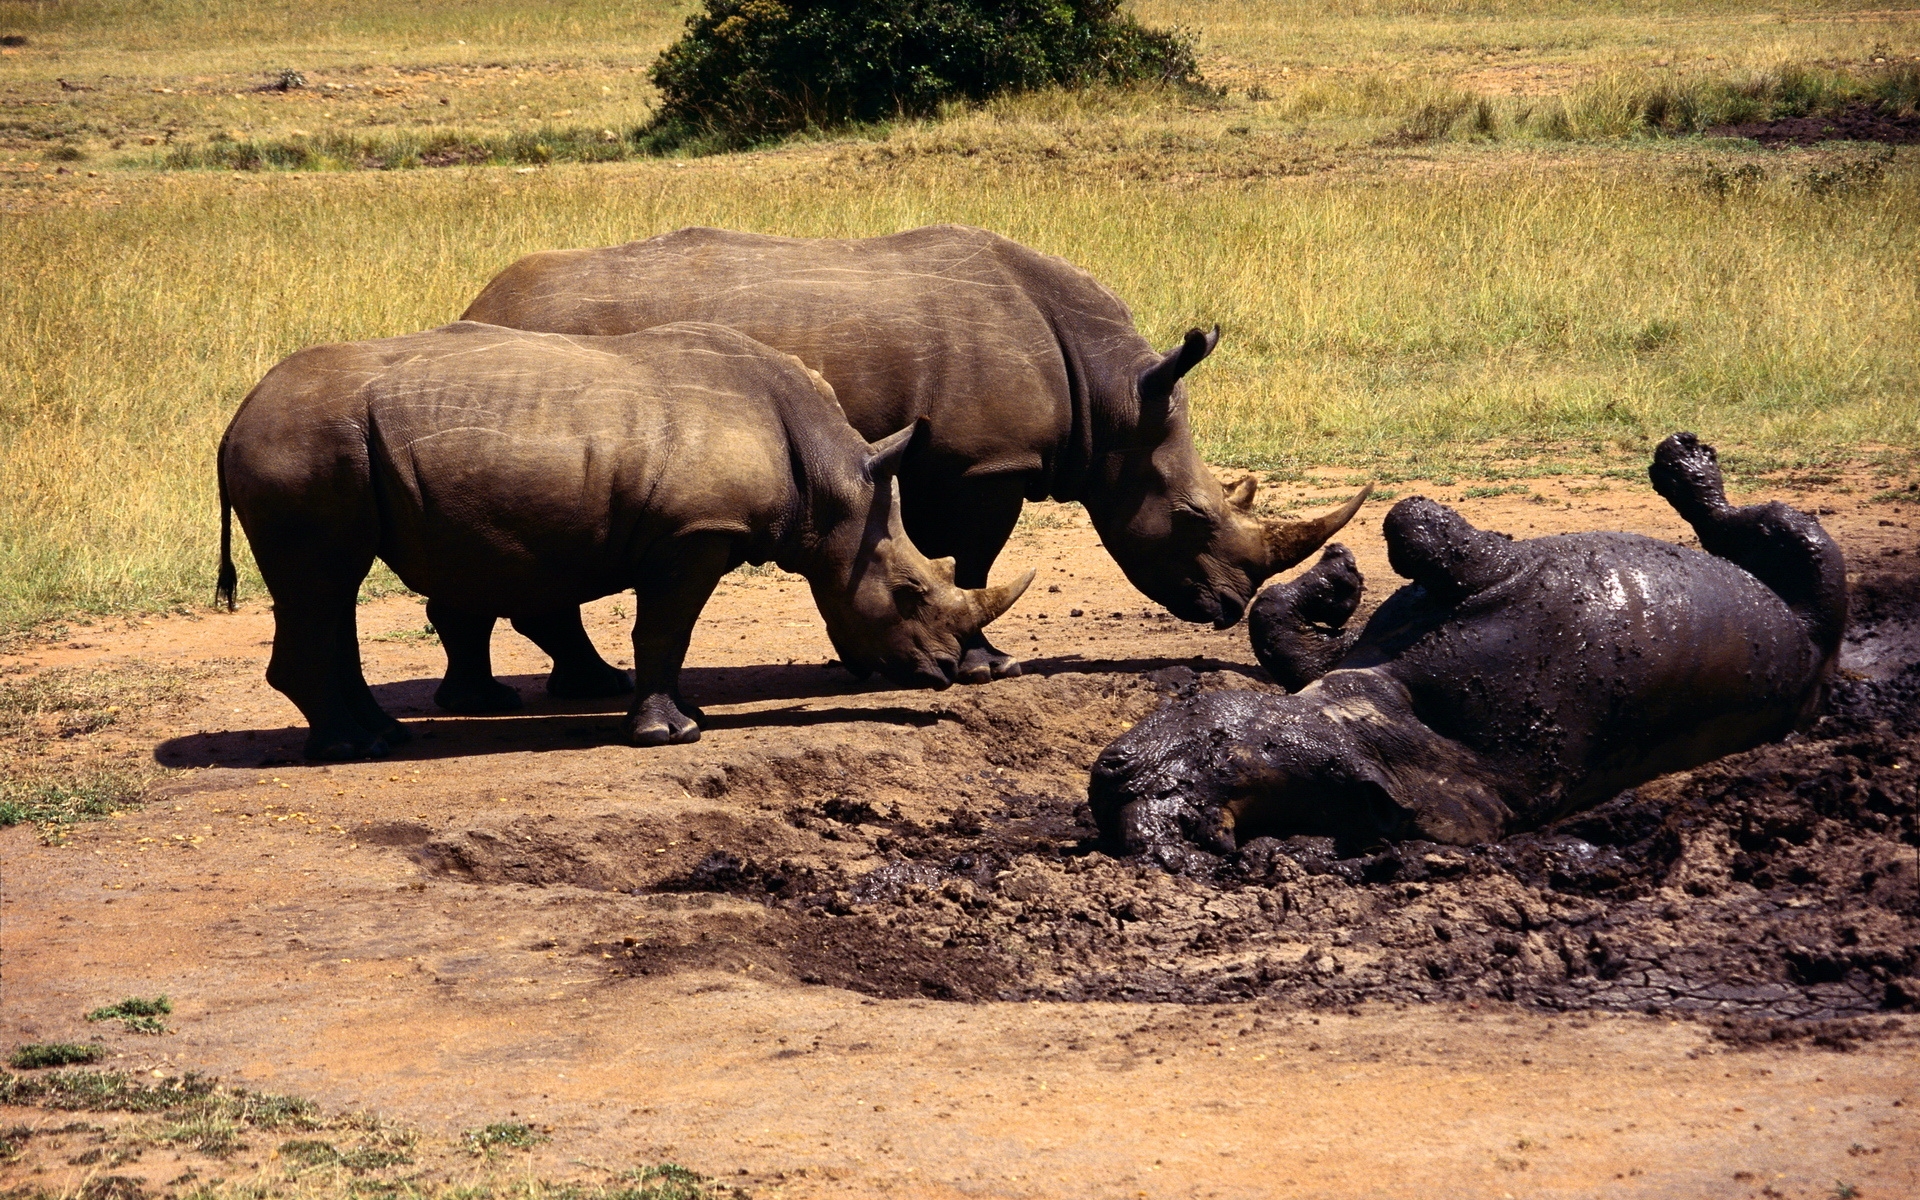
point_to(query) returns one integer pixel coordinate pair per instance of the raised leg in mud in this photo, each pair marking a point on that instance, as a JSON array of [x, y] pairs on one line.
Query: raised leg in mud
[[579, 673], [1298, 629], [1782, 547], [671, 587], [468, 638], [969, 519]]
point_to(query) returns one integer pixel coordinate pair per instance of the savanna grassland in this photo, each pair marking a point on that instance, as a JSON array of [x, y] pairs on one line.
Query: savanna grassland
[[1449, 238]]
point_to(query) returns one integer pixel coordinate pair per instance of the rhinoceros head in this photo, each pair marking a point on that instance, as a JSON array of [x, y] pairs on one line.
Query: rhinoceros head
[[1220, 768], [1345, 757], [889, 608], [1183, 539]]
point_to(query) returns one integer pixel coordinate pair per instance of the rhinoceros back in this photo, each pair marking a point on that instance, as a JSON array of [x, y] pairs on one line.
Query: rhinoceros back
[[533, 468], [991, 341], [1608, 659]]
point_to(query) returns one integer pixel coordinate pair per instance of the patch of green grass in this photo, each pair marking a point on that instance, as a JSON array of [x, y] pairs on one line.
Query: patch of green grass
[[104, 1091], [406, 150], [139, 1016], [502, 1135], [1906, 495], [1640, 103], [13, 1141], [426, 635], [211, 1132], [312, 1153], [664, 1181], [1484, 493], [343, 1157], [53, 803], [37, 1055]]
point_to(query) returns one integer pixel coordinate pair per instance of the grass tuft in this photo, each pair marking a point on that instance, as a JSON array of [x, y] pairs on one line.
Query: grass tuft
[[502, 1135], [53, 1054], [136, 1014]]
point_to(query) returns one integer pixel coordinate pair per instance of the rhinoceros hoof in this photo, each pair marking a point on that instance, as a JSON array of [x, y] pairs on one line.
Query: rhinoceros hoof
[[393, 733], [491, 697], [658, 734], [588, 685], [983, 666], [659, 722]]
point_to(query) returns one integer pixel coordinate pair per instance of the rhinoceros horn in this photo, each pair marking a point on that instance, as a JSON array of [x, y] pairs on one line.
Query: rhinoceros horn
[[1290, 542], [991, 601]]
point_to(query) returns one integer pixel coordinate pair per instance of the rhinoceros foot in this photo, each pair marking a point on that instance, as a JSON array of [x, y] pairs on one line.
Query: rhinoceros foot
[[595, 681], [658, 721], [982, 662], [336, 746], [480, 696]]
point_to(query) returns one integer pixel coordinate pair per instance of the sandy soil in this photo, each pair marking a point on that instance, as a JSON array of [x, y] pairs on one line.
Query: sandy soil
[[518, 919]]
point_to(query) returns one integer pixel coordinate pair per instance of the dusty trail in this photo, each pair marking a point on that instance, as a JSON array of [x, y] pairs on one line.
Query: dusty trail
[[517, 919]]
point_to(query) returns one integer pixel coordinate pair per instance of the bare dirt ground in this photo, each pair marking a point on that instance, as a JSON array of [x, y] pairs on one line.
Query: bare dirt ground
[[853, 941]]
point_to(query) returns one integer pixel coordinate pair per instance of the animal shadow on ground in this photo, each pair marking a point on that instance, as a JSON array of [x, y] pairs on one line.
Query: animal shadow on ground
[[549, 724]]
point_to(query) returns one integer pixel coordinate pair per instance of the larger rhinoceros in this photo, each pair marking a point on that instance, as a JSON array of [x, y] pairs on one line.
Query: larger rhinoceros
[[507, 473], [1037, 384], [1508, 684]]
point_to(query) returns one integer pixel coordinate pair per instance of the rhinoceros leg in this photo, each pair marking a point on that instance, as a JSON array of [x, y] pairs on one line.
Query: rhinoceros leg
[[970, 520], [469, 686], [1299, 629], [316, 652], [579, 673], [1435, 547], [1782, 547], [671, 587]]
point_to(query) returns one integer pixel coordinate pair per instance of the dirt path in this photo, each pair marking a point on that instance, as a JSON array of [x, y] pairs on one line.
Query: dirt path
[[518, 919]]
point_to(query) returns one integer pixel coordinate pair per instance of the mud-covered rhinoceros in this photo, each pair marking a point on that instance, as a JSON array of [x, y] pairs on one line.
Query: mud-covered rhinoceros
[[1037, 384], [503, 473], [1508, 684]]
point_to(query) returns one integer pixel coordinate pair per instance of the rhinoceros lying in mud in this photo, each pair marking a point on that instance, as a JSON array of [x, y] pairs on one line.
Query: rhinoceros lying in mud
[[506, 473], [1510, 683], [1037, 384]]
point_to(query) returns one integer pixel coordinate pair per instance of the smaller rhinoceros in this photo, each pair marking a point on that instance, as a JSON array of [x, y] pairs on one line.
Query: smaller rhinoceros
[[1509, 684], [503, 473]]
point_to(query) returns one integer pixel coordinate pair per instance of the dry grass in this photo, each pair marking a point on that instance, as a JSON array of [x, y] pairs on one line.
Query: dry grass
[[1394, 308]]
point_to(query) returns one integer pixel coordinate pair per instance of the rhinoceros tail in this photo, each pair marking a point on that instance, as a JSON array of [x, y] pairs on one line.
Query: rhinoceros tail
[[228, 579]]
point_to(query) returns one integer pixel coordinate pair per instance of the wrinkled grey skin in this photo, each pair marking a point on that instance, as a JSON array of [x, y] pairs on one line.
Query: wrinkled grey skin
[[1036, 382], [1509, 684], [502, 473]]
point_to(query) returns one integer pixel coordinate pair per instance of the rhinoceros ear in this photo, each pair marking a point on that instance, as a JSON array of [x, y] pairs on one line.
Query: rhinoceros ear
[[885, 459], [1241, 494], [1156, 382]]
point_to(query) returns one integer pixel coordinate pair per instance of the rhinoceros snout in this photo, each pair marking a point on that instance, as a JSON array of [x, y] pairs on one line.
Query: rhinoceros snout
[[1230, 609]]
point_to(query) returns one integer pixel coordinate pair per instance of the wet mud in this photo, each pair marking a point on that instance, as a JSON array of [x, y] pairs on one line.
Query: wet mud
[[964, 865]]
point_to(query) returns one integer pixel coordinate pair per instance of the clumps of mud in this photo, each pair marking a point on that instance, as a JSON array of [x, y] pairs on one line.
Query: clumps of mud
[[1780, 883], [1856, 123]]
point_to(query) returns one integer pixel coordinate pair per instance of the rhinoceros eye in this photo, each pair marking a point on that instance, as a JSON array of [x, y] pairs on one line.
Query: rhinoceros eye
[[908, 597], [1187, 514]]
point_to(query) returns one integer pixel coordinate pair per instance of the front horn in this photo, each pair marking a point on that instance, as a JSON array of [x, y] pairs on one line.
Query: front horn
[[989, 603], [1289, 542]]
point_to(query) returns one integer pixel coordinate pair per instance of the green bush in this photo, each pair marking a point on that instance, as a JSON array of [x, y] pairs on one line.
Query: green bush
[[749, 71]]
